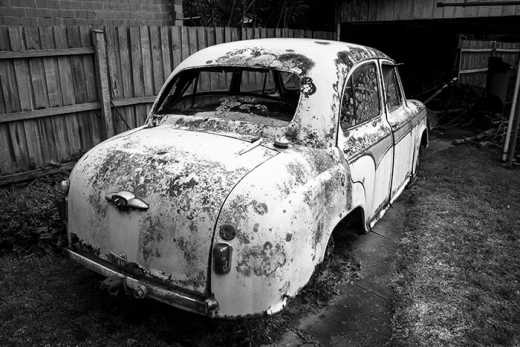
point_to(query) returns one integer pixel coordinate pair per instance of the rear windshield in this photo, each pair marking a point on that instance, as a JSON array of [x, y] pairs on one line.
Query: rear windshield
[[263, 96]]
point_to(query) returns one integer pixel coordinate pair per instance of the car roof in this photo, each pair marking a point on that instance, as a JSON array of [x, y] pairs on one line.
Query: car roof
[[308, 53]]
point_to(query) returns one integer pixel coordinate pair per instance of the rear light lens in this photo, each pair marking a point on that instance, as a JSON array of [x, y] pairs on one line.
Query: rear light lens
[[227, 232], [222, 258]]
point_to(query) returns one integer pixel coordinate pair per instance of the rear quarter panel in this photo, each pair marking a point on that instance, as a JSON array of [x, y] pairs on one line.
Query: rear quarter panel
[[284, 212]]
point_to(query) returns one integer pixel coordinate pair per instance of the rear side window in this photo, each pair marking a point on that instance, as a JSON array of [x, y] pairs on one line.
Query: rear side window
[[361, 101], [392, 91]]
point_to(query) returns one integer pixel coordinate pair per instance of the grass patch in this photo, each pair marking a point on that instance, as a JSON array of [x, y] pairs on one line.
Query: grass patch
[[458, 264], [30, 221]]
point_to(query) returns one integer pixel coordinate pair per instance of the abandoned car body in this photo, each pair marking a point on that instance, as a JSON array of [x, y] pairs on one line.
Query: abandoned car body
[[223, 203]]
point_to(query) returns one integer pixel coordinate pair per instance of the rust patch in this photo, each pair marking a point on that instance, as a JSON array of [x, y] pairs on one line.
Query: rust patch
[[197, 281], [242, 237], [307, 87], [318, 234], [260, 207], [261, 260], [288, 237], [150, 238], [297, 60], [81, 246], [256, 56], [180, 184], [188, 250]]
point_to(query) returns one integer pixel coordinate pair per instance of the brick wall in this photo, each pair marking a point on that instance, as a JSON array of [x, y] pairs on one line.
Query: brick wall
[[95, 12]]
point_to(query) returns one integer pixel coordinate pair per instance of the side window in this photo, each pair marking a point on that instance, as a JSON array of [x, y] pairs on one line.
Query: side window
[[392, 91], [361, 96]]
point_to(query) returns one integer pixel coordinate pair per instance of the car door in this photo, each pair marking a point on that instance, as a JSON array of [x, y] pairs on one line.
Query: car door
[[365, 137], [399, 118]]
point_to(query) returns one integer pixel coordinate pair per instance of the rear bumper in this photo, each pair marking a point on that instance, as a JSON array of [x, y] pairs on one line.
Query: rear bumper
[[207, 307]]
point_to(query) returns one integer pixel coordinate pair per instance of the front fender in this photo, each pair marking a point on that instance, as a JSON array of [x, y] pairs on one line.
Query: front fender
[[284, 212]]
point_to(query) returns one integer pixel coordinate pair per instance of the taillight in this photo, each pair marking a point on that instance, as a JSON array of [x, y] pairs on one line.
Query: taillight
[[222, 258], [227, 232]]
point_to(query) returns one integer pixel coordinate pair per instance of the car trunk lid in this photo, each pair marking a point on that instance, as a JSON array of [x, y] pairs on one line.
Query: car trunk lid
[[183, 177]]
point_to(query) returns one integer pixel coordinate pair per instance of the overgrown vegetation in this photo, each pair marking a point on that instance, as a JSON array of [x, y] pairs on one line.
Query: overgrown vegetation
[[30, 220], [458, 280], [267, 13]]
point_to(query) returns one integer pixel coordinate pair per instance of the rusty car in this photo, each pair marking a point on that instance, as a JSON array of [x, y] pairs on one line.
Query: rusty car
[[224, 201]]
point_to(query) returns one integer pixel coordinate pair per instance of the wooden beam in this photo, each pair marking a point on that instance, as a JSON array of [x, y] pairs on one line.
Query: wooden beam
[[133, 101], [478, 3], [512, 126], [45, 53], [47, 112], [470, 71], [32, 174], [98, 37], [489, 50]]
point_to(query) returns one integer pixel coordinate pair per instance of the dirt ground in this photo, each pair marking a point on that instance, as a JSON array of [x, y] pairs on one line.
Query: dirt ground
[[455, 272]]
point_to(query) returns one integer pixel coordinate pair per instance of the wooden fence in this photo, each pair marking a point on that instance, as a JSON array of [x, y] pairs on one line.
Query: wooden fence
[[474, 57], [64, 89]]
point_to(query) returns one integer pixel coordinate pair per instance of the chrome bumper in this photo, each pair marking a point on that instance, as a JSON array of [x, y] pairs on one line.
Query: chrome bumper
[[171, 297]]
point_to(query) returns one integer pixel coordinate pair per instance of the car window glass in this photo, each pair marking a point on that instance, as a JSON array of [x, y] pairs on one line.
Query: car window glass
[[211, 81], [392, 91], [361, 96], [245, 94], [261, 82], [290, 81]]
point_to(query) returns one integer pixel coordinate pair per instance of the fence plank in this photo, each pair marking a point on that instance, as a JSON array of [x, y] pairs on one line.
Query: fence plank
[[147, 60], [166, 52], [192, 40], [50, 68], [176, 46], [64, 69], [41, 53], [137, 61], [113, 49], [126, 76], [27, 131], [7, 152], [137, 68], [114, 68], [40, 127], [32, 41], [185, 47], [157, 64], [88, 63], [48, 112], [103, 85], [21, 70], [56, 125], [67, 88]]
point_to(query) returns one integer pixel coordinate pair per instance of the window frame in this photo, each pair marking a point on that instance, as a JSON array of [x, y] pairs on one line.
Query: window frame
[[382, 103], [399, 84], [236, 81]]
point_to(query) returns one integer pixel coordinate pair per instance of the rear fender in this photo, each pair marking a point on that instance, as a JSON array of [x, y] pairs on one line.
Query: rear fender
[[284, 213]]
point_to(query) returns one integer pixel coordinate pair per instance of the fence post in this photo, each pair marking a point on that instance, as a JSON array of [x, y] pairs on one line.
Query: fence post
[[98, 38], [512, 126]]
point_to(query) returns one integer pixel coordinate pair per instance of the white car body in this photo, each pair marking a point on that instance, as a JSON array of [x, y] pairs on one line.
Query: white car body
[[279, 190]]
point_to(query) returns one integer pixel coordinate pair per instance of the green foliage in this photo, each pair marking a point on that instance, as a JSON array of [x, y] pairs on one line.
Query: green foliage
[[266, 13]]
